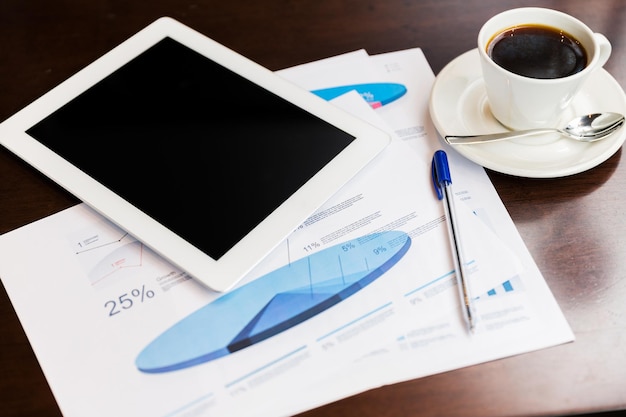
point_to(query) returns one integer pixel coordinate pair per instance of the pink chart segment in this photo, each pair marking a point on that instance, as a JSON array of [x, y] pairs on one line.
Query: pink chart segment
[[274, 302]]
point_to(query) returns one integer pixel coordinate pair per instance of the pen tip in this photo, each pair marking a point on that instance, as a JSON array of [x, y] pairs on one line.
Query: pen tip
[[472, 327]]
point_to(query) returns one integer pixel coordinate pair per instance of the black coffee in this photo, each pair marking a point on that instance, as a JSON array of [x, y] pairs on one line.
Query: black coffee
[[538, 52]]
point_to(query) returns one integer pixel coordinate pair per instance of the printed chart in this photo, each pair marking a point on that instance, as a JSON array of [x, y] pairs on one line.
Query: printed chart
[[274, 302], [509, 286], [105, 251]]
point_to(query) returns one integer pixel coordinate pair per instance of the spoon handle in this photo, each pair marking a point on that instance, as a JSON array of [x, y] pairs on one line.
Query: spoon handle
[[471, 139]]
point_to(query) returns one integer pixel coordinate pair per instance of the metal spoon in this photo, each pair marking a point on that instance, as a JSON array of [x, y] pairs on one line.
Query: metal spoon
[[587, 128]]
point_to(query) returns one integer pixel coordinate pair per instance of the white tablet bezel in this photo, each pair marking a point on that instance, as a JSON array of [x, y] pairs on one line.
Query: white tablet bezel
[[223, 274]]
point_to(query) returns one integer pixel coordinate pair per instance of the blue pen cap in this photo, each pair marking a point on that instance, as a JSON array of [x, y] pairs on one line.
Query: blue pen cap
[[440, 172]]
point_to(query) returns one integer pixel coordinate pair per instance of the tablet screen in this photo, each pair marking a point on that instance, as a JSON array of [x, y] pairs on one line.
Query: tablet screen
[[199, 148]]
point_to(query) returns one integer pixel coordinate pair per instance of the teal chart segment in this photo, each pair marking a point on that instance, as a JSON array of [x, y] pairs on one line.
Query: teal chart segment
[[274, 302]]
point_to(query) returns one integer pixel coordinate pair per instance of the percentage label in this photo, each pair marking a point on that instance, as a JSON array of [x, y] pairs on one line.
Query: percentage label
[[348, 246], [143, 293], [311, 246], [127, 301], [379, 250]]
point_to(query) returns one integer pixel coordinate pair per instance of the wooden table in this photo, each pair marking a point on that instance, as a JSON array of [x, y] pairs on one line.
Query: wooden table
[[574, 226]]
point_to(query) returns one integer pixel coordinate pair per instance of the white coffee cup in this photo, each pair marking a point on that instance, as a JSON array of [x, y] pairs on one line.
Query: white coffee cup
[[522, 102]]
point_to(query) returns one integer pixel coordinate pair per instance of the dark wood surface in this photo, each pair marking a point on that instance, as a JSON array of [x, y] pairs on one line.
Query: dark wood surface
[[574, 226]]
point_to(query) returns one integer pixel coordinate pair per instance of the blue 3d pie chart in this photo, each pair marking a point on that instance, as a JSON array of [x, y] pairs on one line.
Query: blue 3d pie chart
[[274, 302]]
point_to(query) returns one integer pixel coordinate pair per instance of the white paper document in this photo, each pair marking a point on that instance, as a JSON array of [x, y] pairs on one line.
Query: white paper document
[[361, 295]]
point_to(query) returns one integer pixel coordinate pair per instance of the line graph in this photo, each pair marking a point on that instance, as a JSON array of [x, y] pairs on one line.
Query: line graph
[[130, 255], [106, 250]]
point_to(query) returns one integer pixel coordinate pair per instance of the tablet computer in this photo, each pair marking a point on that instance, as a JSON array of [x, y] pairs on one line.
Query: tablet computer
[[204, 156]]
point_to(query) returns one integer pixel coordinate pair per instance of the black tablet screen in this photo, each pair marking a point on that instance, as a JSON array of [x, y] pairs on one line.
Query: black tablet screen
[[197, 147]]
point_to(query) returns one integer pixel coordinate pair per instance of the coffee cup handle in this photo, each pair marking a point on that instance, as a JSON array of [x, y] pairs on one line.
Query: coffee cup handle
[[604, 47]]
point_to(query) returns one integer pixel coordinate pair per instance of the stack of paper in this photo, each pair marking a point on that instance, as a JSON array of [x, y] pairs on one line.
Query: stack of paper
[[363, 294]]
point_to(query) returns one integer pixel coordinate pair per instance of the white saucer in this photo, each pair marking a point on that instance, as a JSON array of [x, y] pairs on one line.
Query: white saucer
[[458, 106]]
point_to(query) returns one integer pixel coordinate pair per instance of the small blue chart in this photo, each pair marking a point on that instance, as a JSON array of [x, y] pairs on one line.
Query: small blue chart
[[274, 302]]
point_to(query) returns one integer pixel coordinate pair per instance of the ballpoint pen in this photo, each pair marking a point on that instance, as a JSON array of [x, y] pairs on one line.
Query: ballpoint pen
[[443, 187]]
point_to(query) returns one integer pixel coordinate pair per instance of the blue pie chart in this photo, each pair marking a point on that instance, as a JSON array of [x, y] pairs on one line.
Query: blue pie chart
[[274, 302]]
